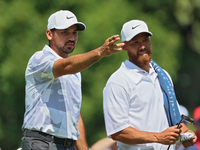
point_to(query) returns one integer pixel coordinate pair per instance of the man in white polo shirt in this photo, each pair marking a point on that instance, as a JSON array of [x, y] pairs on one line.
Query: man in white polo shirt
[[139, 114], [52, 118]]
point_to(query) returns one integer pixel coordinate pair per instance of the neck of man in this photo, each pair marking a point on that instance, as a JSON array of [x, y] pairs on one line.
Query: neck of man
[[145, 65]]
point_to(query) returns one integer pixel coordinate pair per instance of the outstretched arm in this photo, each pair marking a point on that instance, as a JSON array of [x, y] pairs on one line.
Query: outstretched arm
[[80, 62]]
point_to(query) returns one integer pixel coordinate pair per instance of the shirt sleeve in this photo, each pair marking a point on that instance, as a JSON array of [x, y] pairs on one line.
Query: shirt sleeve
[[38, 76], [40, 66], [116, 106]]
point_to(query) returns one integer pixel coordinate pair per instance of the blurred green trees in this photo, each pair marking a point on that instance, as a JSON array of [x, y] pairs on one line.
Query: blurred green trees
[[175, 42]]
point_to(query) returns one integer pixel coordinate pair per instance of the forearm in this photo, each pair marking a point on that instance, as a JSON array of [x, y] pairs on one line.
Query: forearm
[[80, 62], [81, 143], [133, 136]]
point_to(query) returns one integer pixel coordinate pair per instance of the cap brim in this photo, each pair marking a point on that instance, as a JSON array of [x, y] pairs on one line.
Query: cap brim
[[80, 26]]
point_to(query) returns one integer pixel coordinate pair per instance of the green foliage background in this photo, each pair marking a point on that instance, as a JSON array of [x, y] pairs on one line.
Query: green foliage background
[[175, 26]]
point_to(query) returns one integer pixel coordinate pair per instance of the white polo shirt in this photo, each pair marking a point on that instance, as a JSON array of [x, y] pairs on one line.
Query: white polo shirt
[[133, 97], [52, 105]]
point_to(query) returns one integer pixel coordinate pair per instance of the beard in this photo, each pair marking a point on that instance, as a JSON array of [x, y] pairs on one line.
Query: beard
[[141, 60], [65, 49], [144, 60]]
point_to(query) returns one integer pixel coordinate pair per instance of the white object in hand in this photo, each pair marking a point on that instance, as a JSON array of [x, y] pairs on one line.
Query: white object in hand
[[184, 137]]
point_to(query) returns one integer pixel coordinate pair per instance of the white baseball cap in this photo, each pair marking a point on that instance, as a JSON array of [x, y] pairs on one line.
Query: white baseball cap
[[133, 28], [64, 19]]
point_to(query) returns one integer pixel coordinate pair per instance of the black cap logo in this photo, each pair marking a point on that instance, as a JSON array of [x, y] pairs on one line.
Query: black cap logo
[[69, 17], [135, 27]]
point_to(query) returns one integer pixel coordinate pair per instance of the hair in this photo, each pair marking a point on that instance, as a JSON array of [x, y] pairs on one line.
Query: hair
[[52, 30]]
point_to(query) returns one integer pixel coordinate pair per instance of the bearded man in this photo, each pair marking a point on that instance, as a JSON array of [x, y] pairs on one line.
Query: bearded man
[[140, 107]]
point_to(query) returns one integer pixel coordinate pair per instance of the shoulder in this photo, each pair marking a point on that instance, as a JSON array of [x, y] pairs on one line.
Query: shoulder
[[44, 55], [41, 58], [125, 77], [119, 75]]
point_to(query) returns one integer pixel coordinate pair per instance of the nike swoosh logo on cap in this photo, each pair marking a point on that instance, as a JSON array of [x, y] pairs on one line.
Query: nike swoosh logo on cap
[[135, 27], [69, 17]]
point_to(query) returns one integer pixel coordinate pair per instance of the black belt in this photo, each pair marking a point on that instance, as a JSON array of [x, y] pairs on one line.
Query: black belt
[[48, 137]]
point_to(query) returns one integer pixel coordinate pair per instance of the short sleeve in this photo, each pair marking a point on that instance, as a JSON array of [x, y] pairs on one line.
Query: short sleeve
[[116, 106], [40, 66]]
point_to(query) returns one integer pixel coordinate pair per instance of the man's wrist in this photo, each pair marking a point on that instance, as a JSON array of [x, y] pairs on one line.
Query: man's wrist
[[186, 130]]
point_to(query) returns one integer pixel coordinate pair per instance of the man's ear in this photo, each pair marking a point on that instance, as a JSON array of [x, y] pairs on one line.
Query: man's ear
[[49, 34], [124, 47]]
